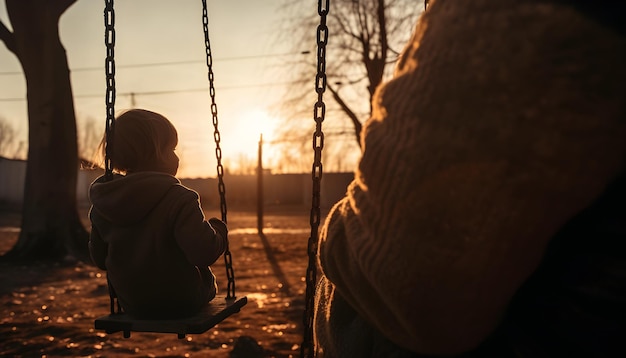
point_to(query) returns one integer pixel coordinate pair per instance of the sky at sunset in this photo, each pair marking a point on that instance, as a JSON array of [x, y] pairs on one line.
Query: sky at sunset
[[160, 57]]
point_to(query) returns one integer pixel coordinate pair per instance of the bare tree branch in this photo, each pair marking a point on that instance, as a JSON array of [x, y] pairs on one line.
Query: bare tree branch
[[7, 138], [362, 43], [382, 30], [364, 36], [348, 111], [7, 37]]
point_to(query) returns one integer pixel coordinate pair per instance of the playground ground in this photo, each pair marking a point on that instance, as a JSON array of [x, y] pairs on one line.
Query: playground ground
[[48, 309]]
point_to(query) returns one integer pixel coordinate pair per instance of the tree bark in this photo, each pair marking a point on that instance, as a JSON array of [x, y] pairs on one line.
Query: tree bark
[[51, 226]]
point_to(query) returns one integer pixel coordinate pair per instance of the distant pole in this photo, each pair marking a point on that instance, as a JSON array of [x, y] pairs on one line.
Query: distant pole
[[259, 188]]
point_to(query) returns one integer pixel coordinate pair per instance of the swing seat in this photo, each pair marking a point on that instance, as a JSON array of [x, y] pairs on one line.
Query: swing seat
[[214, 312]]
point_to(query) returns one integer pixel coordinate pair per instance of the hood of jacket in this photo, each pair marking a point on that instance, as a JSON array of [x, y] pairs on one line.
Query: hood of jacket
[[128, 199]]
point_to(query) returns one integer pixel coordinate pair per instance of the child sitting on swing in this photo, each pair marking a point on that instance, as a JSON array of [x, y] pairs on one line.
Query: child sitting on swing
[[148, 231]]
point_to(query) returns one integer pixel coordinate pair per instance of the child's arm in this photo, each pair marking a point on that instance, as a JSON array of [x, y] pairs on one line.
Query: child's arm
[[220, 228], [195, 236]]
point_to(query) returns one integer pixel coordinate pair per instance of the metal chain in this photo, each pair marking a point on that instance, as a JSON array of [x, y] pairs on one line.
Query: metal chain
[[319, 111], [109, 69], [109, 40], [228, 260]]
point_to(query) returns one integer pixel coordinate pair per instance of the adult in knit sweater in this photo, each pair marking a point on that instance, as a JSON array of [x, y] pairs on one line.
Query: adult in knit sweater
[[148, 231], [487, 215]]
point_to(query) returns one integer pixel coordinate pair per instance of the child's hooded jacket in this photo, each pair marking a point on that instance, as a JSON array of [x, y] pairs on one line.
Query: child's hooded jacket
[[150, 234]]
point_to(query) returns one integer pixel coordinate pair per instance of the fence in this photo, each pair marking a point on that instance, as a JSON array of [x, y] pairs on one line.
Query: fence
[[241, 190]]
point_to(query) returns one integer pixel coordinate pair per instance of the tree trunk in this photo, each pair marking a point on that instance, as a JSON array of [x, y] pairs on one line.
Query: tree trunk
[[51, 227]]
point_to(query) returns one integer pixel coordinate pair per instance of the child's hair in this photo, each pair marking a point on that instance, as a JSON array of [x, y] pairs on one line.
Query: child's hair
[[141, 139]]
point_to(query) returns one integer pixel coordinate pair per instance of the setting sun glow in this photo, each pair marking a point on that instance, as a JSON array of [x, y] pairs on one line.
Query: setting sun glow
[[252, 123], [256, 122]]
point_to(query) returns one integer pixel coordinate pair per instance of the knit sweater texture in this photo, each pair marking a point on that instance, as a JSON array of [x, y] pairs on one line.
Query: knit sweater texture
[[150, 234], [504, 120]]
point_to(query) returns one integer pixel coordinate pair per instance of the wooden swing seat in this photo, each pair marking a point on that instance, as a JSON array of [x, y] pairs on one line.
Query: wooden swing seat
[[215, 312]]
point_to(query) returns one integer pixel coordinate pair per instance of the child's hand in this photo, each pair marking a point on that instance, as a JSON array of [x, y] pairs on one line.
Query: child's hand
[[219, 227]]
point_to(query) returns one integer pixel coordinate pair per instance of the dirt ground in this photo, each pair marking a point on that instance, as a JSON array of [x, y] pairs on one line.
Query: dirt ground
[[48, 309]]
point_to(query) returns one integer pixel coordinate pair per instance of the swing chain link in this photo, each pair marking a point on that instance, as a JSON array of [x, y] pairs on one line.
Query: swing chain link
[[319, 112], [228, 260], [109, 40]]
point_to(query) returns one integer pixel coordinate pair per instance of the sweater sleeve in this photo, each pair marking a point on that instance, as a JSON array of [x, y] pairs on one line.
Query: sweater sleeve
[[194, 234], [484, 144]]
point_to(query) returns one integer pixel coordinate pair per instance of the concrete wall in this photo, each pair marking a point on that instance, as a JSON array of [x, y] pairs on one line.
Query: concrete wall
[[85, 178], [13, 176], [278, 189], [241, 190]]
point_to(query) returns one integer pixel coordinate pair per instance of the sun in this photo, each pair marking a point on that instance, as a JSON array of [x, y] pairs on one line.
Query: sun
[[256, 122], [252, 123]]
